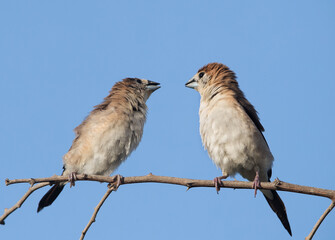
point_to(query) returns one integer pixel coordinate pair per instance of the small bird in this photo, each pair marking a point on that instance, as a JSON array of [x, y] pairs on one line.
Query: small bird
[[108, 135], [232, 133]]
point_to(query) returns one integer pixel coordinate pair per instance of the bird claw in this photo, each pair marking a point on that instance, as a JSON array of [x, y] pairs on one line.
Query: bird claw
[[217, 183], [72, 179], [256, 183], [117, 181]]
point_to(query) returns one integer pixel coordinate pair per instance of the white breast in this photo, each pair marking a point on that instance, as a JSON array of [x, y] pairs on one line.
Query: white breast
[[233, 141]]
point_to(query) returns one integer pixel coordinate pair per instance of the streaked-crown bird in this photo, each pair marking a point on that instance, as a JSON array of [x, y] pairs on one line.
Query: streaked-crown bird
[[108, 135], [232, 133]]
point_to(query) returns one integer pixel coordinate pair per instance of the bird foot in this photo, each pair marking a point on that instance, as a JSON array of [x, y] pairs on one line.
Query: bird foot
[[117, 181], [217, 183], [72, 179], [256, 183]]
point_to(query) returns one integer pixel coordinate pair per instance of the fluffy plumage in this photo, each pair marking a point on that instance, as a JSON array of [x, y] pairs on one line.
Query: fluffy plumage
[[231, 131], [108, 135]]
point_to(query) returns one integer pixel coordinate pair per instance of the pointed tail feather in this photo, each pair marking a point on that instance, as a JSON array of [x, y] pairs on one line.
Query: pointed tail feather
[[278, 207], [50, 196]]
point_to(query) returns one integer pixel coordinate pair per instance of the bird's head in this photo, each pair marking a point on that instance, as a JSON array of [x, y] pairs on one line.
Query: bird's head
[[211, 76], [142, 86]]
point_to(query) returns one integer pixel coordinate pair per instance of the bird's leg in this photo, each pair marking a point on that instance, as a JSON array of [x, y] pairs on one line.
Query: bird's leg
[[256, 183], [217, 181], [72, 179], [117, 180]]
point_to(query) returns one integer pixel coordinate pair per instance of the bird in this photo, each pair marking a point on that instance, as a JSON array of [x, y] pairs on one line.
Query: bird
[[108, 135], [232, 134]]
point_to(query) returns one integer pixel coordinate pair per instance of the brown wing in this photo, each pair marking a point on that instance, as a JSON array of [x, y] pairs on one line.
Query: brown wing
[[251, 112]]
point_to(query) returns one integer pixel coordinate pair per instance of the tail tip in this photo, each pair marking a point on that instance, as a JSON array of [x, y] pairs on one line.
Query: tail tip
[[288, 228], [39, 208]]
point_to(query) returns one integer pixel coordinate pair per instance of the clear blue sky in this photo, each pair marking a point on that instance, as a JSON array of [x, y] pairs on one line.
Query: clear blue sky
[[59, 59]]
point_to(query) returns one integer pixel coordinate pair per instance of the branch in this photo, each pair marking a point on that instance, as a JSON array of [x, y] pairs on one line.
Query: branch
[[96, 210], [189, 183], [318, 223], [21, 201]]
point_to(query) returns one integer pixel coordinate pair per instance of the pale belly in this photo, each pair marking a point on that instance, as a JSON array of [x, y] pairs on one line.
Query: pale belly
[[233, 142], [102, 148]]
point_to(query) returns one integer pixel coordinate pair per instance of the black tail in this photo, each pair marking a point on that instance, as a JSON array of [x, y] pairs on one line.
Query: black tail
[[50, 196], [278, 207]]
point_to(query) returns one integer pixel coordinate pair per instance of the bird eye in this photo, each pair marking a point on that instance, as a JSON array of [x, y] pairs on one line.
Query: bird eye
[[139, 81], [201, 74]]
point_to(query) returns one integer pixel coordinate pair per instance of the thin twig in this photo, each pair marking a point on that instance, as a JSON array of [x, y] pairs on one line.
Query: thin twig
[[96, 210], [318, 223], [21, 201]]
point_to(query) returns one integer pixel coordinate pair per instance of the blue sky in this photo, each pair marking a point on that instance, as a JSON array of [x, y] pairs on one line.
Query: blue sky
[[59, 59]]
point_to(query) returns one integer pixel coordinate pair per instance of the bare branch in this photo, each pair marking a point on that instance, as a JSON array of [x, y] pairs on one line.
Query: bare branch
[[96, 210], [189, 183], [318, 223], [21, 201]]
